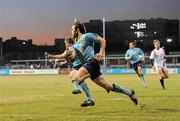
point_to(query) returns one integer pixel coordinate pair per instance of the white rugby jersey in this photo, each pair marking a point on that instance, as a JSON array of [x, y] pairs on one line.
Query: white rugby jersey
[[158, 56]]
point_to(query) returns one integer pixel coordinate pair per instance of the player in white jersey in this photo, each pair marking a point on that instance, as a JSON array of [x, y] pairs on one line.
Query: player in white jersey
[[159, 62]]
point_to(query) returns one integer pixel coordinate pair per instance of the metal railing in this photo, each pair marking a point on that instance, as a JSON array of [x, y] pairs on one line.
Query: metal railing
[[173, 61]]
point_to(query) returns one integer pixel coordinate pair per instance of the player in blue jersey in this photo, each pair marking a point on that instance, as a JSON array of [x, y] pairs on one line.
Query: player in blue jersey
[[76, 65], [91, 68], [135, 56]]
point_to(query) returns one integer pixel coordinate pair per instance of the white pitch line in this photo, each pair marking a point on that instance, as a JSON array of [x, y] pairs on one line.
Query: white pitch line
[[91, 116]]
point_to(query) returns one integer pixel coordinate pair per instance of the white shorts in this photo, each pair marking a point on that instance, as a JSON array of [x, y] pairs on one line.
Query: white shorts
[[162, 66]]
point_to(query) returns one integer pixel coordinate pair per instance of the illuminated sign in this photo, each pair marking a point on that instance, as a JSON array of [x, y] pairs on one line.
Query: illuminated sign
[[138, 26], [139, 34]]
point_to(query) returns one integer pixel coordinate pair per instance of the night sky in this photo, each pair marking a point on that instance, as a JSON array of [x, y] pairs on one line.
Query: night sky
[[45, 20]]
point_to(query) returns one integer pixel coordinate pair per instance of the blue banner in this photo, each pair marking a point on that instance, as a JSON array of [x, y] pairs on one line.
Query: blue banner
[[120, 71], [105, 71], [178, 70], [4, 71]]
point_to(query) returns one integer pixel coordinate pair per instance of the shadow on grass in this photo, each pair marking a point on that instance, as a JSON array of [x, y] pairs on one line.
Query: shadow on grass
[[165, 110], [168, 110], [159, 96]]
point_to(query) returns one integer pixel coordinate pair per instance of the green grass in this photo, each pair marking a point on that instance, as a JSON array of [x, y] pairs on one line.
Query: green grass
[[49, 98]]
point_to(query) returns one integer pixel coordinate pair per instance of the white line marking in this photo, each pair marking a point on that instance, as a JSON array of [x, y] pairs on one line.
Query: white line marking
[[91, 116]]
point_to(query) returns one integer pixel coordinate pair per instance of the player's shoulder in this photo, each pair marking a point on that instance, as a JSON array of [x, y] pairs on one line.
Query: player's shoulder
[[153, 51], [90, 34], [139, 49], [162, 49], [128, 50], [158, 50]]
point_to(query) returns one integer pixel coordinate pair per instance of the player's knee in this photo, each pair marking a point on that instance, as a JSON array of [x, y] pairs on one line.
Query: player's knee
[[161, 74], [163, 77], [140, 74], [166, 76], [109, 88], [139, 69], [78, 79]]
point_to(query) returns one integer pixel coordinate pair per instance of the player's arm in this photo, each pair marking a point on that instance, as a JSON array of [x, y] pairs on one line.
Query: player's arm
[[164, 54], [143, 58], [102, 45], [65, 62], [127, 57], [142, 54], [59, 56], [152, 63], [152, 59]]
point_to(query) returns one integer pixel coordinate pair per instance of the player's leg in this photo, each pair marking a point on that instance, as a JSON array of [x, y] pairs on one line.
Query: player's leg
[[92, 69], [162, 76], [104, 83], [85, 87], [101, 81], [165, 72], [138, 71], [74, 83], [166, 75], [81, 75]]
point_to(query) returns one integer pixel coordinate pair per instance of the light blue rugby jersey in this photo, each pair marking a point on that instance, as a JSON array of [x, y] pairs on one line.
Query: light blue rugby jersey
[[85, 47], [135, 53], [76, 62]]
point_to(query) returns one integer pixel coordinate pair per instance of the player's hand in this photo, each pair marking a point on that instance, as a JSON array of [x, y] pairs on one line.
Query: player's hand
[[67, 53], [142, 59], [153, 68], [99, 56], [60, 63], [50, 56], [131, 57]]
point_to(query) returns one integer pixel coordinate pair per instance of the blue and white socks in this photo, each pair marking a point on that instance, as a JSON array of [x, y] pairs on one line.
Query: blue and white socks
[[143, 80], [85, 89], [121, 90], [75, 85]]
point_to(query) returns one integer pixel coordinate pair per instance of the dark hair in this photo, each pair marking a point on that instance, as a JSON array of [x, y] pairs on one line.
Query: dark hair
[[80, 26], [69, 40], [134, 43]]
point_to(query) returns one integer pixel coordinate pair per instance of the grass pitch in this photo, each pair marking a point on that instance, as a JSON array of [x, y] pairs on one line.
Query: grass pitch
[[49, 98]]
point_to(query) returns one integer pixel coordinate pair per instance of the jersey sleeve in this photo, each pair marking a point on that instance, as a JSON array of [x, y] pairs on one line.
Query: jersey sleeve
[[140, 52], [127, 55], [92, 37], [152, 55], [164, 53]]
